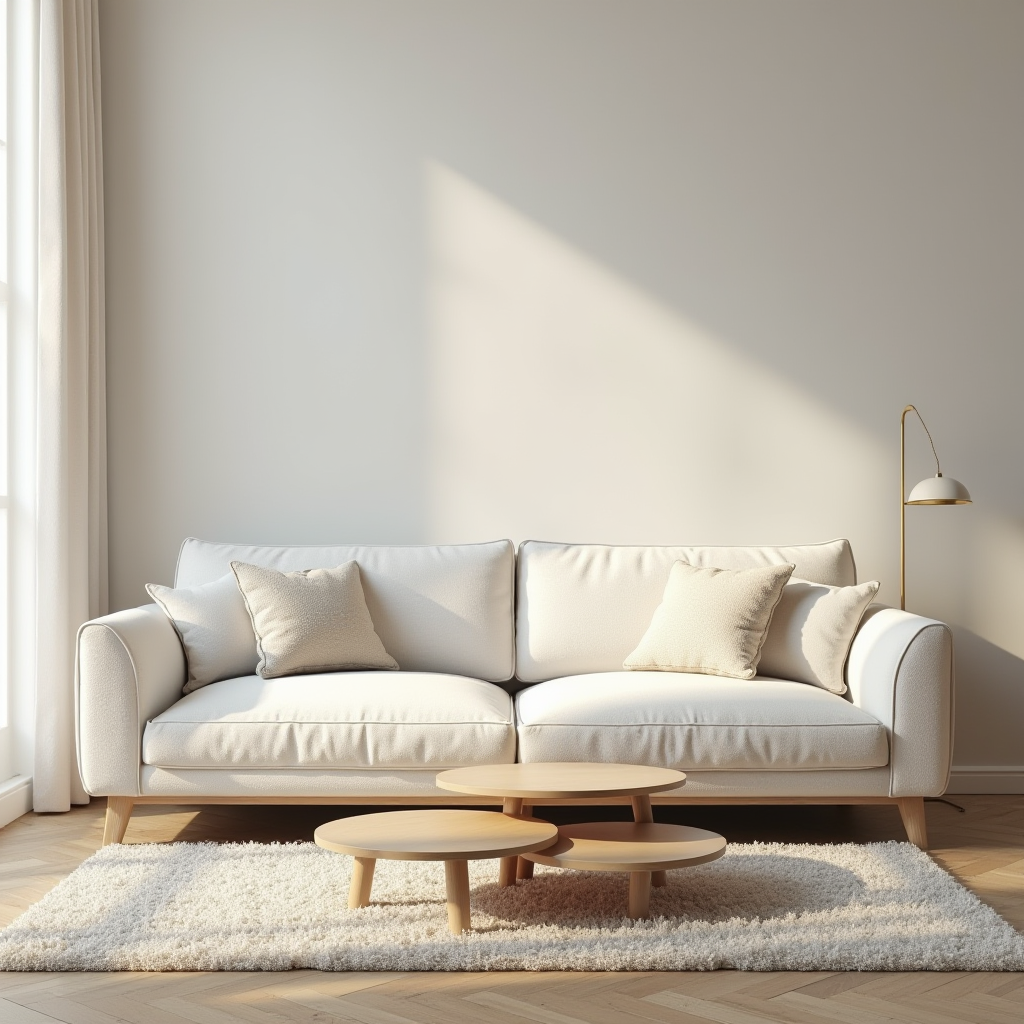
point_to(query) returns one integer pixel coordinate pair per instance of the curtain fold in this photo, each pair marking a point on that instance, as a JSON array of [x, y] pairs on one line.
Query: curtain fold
[[71, 512]]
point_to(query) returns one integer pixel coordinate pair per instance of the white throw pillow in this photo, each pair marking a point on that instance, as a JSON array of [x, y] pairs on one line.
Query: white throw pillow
[[812, 630], [310, 621], [214, 628], [711, 621]]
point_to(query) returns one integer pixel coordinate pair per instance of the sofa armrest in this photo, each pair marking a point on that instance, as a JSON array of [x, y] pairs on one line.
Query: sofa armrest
[[129, 667], [900, 671]]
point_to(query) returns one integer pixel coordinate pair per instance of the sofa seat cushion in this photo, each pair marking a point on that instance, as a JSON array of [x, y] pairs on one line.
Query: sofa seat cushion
[[691, 722], [336, 720]]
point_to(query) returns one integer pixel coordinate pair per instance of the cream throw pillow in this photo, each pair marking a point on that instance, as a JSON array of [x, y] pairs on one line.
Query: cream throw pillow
[[711, 621], [214, 628], [812, 630], [310, 621]]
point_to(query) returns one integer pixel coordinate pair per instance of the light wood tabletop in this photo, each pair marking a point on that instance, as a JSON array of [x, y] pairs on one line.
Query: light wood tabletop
[[453, 836], [560, 780], [434, 834], [630, 846], [642, 848]]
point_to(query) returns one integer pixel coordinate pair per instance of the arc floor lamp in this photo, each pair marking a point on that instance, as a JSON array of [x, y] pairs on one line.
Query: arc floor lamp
[[935, 490]]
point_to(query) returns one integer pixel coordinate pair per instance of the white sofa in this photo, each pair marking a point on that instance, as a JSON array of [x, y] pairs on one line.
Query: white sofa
[[471, 625]]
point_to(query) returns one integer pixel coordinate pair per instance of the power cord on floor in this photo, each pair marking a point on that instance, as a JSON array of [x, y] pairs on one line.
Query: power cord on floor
[[943, 800]]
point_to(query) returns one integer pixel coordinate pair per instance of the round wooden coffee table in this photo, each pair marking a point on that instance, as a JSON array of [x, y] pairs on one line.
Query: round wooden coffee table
[[520, 784], [454, 836], [639, 848]]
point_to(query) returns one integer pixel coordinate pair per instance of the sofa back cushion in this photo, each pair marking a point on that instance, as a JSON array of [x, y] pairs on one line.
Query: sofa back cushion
[[436, 609], [584, 607]]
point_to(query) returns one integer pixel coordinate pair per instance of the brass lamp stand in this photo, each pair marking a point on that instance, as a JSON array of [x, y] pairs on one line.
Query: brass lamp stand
[[935, 490]]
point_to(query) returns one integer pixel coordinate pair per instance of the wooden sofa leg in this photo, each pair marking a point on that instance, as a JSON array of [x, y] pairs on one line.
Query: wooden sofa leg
[[912, 813], [119, 810]]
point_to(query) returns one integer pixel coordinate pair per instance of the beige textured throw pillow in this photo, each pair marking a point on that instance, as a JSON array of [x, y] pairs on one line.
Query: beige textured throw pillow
[[812, 630], [310, 621], [711, 621], [214, 628]]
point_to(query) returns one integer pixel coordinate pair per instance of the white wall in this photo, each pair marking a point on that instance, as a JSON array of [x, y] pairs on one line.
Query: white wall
[[647, 271]]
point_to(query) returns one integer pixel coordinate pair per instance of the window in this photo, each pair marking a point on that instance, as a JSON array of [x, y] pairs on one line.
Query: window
[[6, 760]]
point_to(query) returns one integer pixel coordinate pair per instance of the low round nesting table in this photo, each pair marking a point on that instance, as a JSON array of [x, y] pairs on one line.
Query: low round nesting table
[[639, 848], [520, 784], [453, 836]]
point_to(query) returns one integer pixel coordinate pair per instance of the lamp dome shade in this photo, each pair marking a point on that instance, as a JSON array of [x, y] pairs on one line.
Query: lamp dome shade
[[939, 490]]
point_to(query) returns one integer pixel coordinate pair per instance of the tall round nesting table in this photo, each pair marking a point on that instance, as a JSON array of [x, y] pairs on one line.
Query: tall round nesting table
[[453, 836], [642, 848]]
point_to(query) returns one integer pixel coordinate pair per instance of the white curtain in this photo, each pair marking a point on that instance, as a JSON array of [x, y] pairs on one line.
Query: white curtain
[[70, 416]]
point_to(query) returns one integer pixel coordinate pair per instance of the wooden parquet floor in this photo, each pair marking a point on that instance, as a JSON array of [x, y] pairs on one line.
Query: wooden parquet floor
[[983, 847]]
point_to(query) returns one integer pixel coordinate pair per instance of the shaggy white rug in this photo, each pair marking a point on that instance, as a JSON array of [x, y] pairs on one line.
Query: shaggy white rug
[[762, 907]]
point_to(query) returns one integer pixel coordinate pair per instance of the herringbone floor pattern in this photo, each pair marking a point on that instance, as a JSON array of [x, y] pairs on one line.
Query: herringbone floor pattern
[[983, 847]]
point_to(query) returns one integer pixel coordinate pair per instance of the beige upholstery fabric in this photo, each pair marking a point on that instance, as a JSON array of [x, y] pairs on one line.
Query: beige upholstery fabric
[[584, 607], [312, 621], [130, 667], [358, 783], [711, 621], [363, 784], [811, 632], [695, 722], [900, 671], [446, 608], [214, 628], [827, 784], [348, 720]]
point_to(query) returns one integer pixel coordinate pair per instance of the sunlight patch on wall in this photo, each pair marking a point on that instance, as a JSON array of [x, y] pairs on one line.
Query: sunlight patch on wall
[[567, 403], [995, 596]]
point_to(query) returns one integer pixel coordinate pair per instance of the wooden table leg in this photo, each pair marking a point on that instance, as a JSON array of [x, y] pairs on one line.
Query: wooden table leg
[[456, 881], [513, 806], [639, 894], [362, 882], [642, 814], [524, 869]]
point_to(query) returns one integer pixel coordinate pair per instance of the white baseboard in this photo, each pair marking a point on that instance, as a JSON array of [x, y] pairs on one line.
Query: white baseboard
[[986, 778], [15, 798]]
